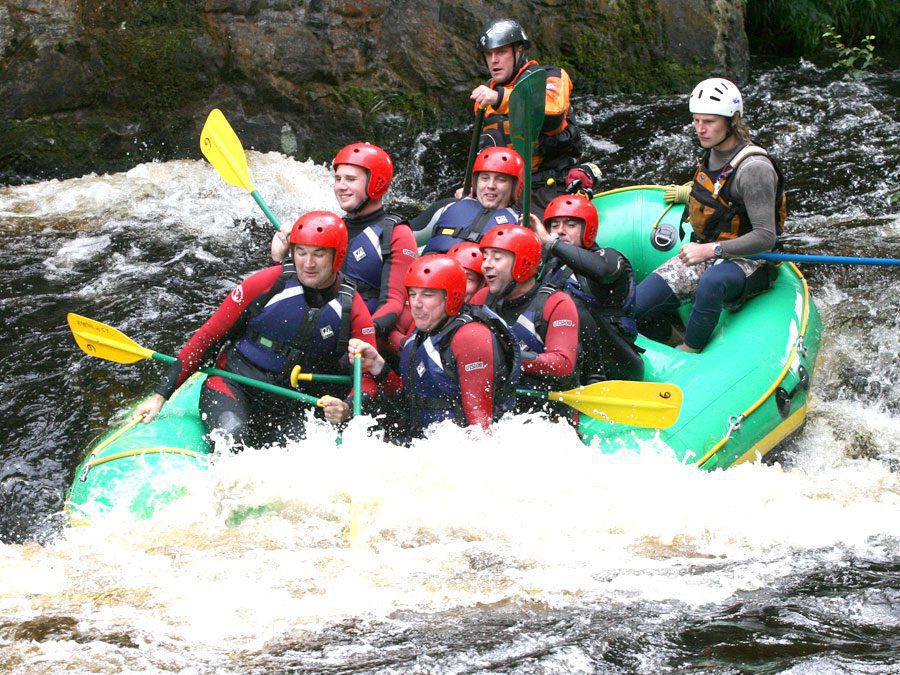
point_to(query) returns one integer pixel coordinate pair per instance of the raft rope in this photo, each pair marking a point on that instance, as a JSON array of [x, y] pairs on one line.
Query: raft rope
[[97, 461], [735, 421]]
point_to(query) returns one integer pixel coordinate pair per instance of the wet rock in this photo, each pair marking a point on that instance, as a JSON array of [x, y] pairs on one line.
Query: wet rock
[[100, 86]]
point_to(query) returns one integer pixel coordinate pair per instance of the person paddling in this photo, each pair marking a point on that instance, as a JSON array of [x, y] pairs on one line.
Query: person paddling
[[460, 362], [382, 246], [736, 208], [301, 312], [600, 281], [554, 167]]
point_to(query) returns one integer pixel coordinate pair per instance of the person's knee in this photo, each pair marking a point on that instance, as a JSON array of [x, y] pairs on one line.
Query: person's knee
[[652, 295]]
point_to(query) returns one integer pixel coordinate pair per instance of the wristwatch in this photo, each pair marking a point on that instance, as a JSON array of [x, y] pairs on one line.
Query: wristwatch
[[718, 252]]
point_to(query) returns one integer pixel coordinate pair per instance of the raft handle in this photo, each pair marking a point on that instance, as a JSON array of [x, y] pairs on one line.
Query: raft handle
[[784, 399], [664, 237]]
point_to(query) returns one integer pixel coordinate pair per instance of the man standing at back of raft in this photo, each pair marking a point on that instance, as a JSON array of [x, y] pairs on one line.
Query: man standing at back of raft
[[503, 44], [382, 246], [301, 312], [736, 209]]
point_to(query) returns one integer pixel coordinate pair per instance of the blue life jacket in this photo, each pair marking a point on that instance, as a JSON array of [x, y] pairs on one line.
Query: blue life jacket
[[617, 308], [366, 254], [530, 331], [430, 371], [466, 220], [280, 330]]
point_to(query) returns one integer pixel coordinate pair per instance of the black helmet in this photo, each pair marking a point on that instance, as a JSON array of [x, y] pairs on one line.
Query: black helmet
[[501, 32]]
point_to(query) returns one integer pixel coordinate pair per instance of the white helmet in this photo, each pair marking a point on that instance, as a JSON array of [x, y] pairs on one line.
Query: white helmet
[[716, 96]]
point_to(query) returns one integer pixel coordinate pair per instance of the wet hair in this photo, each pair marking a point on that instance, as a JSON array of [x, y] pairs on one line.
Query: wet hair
[[739, 128]]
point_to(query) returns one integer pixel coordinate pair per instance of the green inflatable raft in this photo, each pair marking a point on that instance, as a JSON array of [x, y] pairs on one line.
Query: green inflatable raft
[[745, 393]]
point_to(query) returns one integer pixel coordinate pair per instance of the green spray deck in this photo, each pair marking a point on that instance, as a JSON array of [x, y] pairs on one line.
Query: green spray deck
[[745, 393]]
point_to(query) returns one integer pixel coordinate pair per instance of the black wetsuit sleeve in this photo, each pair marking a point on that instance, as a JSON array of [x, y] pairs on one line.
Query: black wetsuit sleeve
[[604, 265], [428, 217]]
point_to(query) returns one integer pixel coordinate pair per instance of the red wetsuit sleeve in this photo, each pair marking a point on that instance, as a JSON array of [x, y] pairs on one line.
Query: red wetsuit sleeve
[[480, 296], [393, 291], [362, 328], [561, 342], [216, 327], [473, 347]]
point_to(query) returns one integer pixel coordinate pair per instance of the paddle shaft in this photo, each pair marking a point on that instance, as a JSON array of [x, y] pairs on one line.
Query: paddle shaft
[[265, 209], [826, 259], [473, 150], [249, 381], [357, 385]]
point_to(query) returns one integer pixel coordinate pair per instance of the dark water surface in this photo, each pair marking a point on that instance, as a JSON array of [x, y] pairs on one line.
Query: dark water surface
[[461, 557]]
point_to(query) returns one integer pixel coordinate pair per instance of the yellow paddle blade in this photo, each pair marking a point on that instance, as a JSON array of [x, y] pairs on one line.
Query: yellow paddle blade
[[105, 342], [221, 146], [655, 405]]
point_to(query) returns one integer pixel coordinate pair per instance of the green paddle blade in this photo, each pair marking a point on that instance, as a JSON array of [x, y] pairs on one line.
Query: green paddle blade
[[526, 117], [526, 113], [221, 146]]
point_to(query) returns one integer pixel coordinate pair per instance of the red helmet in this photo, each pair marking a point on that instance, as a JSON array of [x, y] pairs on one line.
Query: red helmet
[[522, 243], [325, 229], [501, 160], [468, 255], [575, 206], [374, 160], [437, 270]]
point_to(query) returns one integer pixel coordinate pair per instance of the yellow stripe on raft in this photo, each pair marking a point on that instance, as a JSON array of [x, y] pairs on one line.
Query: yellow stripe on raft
[[146, 451], [774, 437]]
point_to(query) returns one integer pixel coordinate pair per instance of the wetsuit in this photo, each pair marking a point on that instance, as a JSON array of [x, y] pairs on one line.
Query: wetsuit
[[269, 323], [465, 371], [545, 322], [601, 282], [378, 266]]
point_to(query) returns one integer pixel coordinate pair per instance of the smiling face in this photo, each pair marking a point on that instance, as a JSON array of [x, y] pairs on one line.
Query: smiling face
[[497, 268], [568, 229], [315, 265], [428, 307], [494, 190], [711, 130], [501, 63], [350, 186]]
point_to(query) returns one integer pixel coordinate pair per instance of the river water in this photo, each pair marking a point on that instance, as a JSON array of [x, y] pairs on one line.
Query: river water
[[525, 552]]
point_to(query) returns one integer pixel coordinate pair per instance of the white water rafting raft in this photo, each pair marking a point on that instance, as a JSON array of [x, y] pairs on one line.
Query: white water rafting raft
[[745, 393]]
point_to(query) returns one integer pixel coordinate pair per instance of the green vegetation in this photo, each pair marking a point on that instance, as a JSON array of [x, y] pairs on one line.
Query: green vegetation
[[152, 64], [597, 67], [853, 58], [797, 27]]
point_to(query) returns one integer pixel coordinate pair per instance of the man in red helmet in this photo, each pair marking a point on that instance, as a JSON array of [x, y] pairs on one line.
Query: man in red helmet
[[497, 182], [459, 363], [543, 318], [382, 246], [301, 312], [503, 44], [469, 255], [600, 281]]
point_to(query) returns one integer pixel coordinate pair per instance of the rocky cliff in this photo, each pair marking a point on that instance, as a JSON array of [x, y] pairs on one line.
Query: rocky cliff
[[99, 85]]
